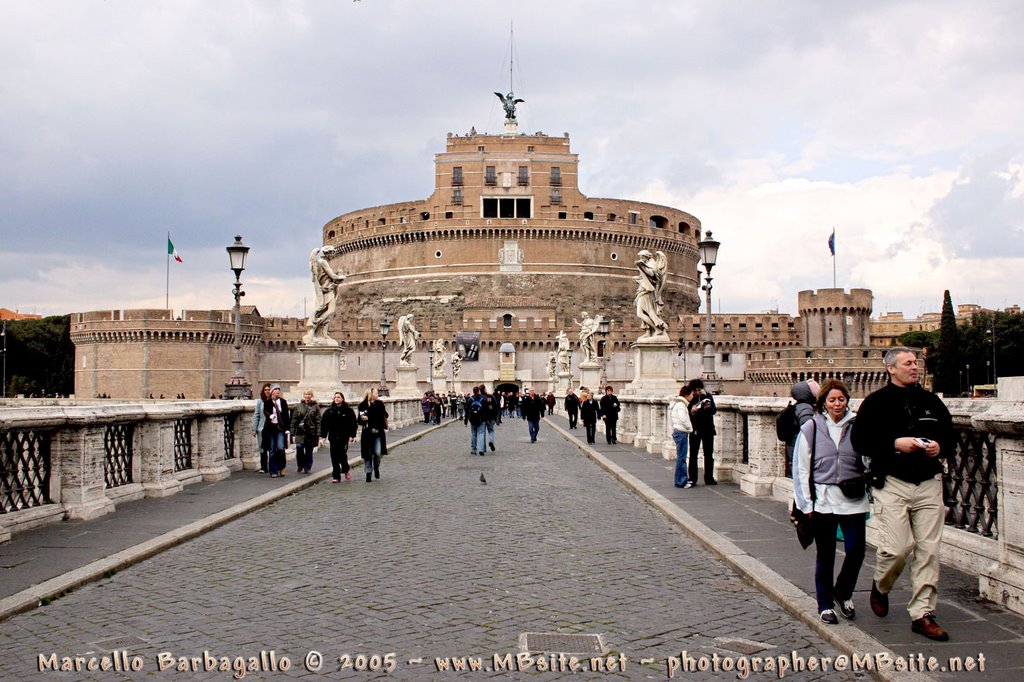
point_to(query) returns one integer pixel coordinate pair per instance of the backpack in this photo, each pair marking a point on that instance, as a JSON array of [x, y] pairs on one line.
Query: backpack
[[476, 410], [786, 427]]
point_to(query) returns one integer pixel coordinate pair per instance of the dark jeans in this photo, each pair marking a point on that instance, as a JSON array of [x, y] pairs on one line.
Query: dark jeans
[[825, 543], [591, 431], [303, 457], [265, 447], [573, 416], [276, 456], [609, 430], [339, 459], [534, 429], [682, 441], [708, 441]]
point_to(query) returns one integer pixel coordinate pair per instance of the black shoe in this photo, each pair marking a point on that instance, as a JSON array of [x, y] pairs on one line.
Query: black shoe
[[369, 478], [492, 447], [926, 625], [879, 602], [828, 616], [376, 472], [846, 609], [711, 482]]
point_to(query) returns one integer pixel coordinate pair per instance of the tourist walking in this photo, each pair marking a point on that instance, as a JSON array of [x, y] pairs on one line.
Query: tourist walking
[[805, 393], [305, 428], [829, 486], [679, 413], [373, 417], [610, 415], [276, 424], [475, 413], [491, 415], [572, 408], [259, 419], [551, 402], [533, 410], [906, 431], [702, 416], [590, 409], [338, 425]]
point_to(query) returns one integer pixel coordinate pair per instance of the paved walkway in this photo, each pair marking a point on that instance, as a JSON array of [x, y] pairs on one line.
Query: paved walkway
[[431, 562]]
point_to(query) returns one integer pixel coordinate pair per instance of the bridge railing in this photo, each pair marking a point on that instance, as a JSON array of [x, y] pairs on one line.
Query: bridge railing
[[80, 461], [983, 485]]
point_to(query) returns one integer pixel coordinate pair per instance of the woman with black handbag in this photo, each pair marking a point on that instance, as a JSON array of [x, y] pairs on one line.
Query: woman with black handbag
[[838, 499], [373, 417]]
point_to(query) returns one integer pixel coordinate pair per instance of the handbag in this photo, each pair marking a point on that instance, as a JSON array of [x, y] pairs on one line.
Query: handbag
[[853, 488], [803, 523], [804, 526]]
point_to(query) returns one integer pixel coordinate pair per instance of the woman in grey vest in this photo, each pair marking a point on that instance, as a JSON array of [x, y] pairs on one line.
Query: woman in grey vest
[[837, 499]]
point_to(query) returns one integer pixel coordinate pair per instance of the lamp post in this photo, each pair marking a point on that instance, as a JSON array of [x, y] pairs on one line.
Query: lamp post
[[995, 372], [385, 327], [603, 328], [4, 334], [709, 255], [237, 386], [970, 393]]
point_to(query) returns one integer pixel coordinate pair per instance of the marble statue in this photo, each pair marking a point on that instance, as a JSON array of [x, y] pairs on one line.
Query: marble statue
[[407, 336], [438, 363], [325, 285], [563, 353], [456, 366], [589, 327], [650, 283], [509, 102]]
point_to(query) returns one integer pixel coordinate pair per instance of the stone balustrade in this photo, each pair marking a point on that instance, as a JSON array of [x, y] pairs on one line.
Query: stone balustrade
[[984, 484], [80, 461]]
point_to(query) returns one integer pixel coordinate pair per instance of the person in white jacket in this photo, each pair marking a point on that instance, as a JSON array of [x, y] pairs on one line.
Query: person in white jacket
[[681, 429]]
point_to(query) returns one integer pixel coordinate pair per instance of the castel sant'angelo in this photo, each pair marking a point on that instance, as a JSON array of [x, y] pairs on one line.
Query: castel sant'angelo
[[506, 253]]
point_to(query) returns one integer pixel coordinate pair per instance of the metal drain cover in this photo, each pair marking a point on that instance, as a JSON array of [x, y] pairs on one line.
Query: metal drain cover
[[559, 643], [743, 646], [123, 642]]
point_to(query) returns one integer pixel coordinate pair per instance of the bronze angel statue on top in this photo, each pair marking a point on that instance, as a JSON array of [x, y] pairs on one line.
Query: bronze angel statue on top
[[509, 101]]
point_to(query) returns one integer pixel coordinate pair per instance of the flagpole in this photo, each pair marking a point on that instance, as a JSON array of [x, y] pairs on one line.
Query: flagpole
[[167, 299]]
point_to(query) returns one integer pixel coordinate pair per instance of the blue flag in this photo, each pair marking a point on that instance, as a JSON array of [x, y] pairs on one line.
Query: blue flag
[[832, 242]]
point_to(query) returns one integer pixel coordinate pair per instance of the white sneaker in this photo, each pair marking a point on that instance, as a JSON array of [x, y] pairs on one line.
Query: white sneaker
[[846, 609], [828, 616]]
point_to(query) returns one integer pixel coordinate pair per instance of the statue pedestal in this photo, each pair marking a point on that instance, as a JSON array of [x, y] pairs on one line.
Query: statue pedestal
[[652, 365], [564, 383], [320, 372], [405, 386], [590, 376], [439, 382]]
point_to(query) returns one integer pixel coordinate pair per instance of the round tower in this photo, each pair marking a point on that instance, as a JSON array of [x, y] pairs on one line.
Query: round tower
[[833, 318]]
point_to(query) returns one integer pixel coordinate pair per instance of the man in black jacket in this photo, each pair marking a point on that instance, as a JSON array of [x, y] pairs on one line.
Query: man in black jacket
[[702, 416], [533, 410], [906, 431], [610, 415], [572, 408]]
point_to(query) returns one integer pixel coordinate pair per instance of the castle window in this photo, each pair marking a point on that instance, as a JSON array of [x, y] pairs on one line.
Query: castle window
[[490, 177], [448, 215], [775, 326], [382, 221], [588, 215], [615, 256], [457, 176], [457, 196], [480, 148], [658, 222], [556, 196], [556, 176], [634, 218], [330, 235], [506, 320], [507, 207], [424, 215], [611, 217], [684, 228], [529, 148], [562, 215], [725, 357], [438, 254], [524, 176]]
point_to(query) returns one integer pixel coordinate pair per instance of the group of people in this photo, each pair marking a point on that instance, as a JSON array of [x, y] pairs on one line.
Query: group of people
[[692, 414], [890, 453], [591, 409], [274, 424]]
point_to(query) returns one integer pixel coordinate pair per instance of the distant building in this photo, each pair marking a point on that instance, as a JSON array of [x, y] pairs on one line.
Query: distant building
[[7, 314]]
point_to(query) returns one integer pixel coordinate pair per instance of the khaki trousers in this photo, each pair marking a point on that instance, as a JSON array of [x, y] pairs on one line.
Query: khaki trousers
[[910, 520]]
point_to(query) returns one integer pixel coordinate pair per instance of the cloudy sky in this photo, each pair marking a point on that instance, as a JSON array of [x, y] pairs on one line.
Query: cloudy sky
[[898, 123]]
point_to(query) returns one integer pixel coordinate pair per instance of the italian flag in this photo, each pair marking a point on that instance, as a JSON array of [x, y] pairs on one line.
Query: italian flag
[[171, 251]]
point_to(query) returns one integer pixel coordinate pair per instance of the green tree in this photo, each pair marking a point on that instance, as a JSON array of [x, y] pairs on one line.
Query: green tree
[[947, 368], [40, 356]]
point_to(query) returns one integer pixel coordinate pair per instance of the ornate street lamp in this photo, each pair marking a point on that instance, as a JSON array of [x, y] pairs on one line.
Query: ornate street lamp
[[385, 327], [603, 328], [237, 386], [709, 255]]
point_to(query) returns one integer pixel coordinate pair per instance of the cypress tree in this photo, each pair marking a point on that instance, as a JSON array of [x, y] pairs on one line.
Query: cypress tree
[[947, 370]]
